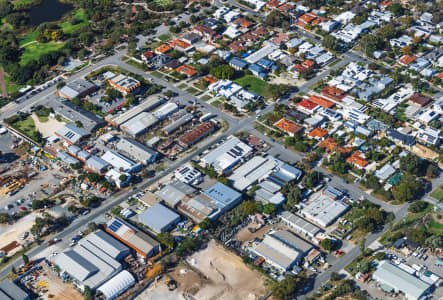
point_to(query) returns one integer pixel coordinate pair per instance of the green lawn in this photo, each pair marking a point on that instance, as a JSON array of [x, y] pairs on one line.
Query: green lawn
[[193, 91], [11, 88], [26, 126], [68, 28], [34, 50], [438, 193], [163, 37], [435, 227], [28, 38], [255, 85], [157, 74], [205, 98]]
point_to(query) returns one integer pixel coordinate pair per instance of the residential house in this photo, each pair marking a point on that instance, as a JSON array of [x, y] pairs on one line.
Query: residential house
[[288, 127], [187, 70], [357, 159]]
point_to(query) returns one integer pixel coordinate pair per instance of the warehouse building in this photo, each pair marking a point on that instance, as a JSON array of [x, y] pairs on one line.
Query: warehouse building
[[93, 261], [260, 168], [10, 291], [136, 151], [282, 249], [66, 158], [227, 155], [210, 204], [67, 110], [159, 218], [393, 279], [147, 105], [175, 192], [188, 174], [117, 285], [299, 225], [183, 120], [97, 165], [324, 210], [71, 134], [165, 110], [139, 124], [121, 162], [196, 134], [124, 84], [76, 89], [144, 245]]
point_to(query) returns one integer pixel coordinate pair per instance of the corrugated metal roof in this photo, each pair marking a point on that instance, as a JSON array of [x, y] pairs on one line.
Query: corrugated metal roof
[[9, 290], [158, 217], [117, 285]]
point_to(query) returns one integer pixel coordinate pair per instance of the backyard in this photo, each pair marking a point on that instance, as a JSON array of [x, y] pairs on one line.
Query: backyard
[[255, 85]]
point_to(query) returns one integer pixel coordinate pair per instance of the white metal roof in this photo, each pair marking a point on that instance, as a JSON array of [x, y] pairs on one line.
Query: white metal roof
[[117, 285]]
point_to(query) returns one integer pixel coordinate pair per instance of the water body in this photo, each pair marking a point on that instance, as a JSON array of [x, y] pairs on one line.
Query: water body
[[48, 11]]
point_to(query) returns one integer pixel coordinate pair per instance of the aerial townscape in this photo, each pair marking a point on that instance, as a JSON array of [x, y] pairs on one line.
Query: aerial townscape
[[221, 149]]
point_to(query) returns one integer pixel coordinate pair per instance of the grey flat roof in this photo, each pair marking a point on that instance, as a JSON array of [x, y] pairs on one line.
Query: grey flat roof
[[135, 150], [9, 290], [71, 133], [174, 192], [139, 123], [72, 113], [300, 224], [292, 240], [158, 217]]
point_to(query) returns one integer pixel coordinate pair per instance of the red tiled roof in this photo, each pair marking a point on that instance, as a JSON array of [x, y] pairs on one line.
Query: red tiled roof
[[318, 132], [407, 59], [321, 101], [273, 3], [333, 92], [185, 69], [329, 144], [204, 30], [148, 54], [306, 18], [308, 64], [163, 49], [242, 22], [307, 104], [288, 126], [357, 159]]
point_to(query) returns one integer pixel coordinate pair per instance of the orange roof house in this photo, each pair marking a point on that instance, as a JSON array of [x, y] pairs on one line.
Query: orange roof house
[[333, 93], [289, 127], [308, 64], [386, 3], [307, 106], [319, 20], [318, 133], [210, 79], [440, 75], [405, 60], [321, 101], [328, 144], [243, 23], [357, 160], [285, 8], [187, 70], [273, 3], [162, 49], [180, 45], [306, 19]]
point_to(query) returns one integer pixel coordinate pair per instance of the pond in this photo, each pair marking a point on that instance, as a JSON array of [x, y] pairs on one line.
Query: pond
[[48, 11]]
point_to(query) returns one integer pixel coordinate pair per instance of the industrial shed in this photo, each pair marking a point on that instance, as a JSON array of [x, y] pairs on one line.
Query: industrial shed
[[159, 218], [117, 285], [93, 261]]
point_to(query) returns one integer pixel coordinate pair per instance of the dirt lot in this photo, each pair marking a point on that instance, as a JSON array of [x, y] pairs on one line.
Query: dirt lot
[[211, 274], [230, 277], [10, 233], [57, 290], [245, 235], [47, 128]]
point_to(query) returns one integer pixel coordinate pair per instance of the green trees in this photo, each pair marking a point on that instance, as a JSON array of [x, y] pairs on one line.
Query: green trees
[[408, 189], [166, 239], [284, 289], [418, 206], [414, 165], [205, 224], [223, 71], [87, 293], [312, 179], [327, 245], [188, 246], [330, 42], [270, 209]]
